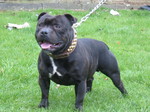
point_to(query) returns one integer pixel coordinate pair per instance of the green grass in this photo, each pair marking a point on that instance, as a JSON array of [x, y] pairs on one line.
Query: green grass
[[128, 37]]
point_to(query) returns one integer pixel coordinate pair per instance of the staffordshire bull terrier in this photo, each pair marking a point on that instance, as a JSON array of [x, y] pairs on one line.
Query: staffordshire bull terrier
[[66, 60]]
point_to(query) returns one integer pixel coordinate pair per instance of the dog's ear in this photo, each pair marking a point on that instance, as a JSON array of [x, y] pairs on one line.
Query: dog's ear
[[40, 15], [71, 18]]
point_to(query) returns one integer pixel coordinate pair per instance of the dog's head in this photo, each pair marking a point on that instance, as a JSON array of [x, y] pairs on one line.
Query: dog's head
[[54, 34]]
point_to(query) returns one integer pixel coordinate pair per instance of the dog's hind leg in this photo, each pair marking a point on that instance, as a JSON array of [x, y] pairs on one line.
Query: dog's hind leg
[[89, 84], [109, 66], [115, 77]]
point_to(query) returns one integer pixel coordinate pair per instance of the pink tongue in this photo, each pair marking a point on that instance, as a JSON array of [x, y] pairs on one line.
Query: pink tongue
[[45, 45]]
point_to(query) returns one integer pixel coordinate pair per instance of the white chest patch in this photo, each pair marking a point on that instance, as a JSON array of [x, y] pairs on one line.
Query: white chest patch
[[54, 69]]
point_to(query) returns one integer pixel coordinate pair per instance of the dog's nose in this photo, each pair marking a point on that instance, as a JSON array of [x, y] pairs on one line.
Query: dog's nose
[[44, 32]]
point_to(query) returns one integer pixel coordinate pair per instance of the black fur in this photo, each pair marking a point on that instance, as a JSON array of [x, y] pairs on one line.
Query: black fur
[[78, 69]]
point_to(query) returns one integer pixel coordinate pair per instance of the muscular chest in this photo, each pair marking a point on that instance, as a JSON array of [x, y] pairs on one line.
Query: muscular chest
[[60, 73]]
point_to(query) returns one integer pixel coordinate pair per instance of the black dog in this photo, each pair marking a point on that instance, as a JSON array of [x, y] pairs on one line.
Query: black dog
[[70, 61]]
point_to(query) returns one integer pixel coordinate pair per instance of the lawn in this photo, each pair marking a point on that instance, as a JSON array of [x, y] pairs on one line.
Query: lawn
[[128, 37]]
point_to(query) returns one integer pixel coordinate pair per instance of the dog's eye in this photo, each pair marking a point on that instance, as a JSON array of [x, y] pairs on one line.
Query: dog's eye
[[57, 26]]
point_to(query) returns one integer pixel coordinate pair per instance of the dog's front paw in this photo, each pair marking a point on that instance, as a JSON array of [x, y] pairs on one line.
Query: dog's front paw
[[79, 108], [44, 103]]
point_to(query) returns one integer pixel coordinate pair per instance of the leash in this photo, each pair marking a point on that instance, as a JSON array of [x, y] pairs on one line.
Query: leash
[[83, 19]]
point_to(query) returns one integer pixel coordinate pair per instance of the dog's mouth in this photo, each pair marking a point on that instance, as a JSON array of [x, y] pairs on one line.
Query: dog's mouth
[[50, 46]]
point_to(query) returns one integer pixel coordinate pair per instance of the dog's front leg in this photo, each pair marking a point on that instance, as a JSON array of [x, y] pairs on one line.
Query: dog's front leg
[[80, 90], [44, 83]]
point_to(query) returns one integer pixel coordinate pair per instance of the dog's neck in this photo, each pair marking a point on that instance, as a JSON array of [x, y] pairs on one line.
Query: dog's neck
[[67, 52]]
